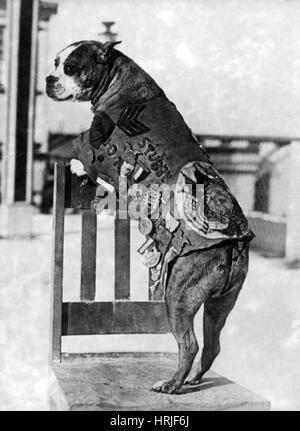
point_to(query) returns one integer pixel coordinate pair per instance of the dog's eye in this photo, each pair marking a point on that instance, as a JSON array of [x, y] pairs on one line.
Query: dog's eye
[[69, 69]]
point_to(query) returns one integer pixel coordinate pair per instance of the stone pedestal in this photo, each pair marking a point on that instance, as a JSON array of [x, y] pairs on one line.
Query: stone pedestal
[[122, 382]]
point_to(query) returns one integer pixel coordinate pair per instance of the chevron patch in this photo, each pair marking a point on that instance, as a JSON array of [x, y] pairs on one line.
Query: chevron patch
[[129, 123]]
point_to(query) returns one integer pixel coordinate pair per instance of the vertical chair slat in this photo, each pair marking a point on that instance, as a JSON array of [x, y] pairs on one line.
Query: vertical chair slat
[[88, 255], [57, 260], [122, 258], [150, 283]]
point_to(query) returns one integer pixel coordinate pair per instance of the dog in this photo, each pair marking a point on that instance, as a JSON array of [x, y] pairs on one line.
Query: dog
[[198, 255]]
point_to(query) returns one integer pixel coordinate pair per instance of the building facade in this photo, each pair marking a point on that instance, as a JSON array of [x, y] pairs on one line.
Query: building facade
[[46, 10]]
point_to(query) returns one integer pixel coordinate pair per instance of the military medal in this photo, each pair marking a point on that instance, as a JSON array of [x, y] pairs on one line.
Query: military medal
[[145, 226], [152, 258], [98, 204]]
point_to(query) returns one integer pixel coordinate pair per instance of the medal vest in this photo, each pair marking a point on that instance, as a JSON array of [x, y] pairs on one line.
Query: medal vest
[[153, 140], [151, 136]]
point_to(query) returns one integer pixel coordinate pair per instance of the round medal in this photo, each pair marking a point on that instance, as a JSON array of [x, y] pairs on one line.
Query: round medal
[[145, 226]]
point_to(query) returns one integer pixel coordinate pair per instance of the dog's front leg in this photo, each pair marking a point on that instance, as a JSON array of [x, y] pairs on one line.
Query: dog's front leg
[[187, 350], [77, 168]]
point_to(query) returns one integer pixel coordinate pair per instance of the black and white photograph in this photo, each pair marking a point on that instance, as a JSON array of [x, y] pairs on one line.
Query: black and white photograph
[[149, 208]]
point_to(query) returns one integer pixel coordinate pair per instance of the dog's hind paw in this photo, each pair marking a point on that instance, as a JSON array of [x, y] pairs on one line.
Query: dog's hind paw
[[166, 387], [193, 382]]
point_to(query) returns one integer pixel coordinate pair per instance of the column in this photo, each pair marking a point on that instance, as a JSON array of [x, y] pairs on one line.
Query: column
[[16, 210]]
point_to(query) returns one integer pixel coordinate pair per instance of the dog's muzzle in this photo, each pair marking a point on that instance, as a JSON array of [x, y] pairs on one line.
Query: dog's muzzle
[[50, 85]]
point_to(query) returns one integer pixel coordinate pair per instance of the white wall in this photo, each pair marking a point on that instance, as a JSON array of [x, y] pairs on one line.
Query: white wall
[[242, 187], [279, 182], [231, 66]]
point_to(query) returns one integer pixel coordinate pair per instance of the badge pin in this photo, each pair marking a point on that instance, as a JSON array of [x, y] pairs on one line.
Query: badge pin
[[111, 150], [90, 155]]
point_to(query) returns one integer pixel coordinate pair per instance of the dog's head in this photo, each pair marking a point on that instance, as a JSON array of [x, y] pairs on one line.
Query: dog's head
[[78, 70]]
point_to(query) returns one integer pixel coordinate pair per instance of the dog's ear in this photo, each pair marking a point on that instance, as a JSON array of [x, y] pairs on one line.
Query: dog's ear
[[104, 52]]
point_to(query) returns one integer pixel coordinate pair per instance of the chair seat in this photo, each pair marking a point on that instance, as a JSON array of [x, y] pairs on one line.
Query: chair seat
[[116, 382]]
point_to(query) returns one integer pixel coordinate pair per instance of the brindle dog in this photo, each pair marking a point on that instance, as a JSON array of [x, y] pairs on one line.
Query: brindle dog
[[213, 276]]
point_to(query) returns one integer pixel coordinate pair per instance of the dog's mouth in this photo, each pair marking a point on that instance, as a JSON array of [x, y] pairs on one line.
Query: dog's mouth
[[57, 93]]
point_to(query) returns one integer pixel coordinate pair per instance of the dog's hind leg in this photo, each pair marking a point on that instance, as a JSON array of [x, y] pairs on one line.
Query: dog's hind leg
[[182, 302], [216, 311], [214, 318]]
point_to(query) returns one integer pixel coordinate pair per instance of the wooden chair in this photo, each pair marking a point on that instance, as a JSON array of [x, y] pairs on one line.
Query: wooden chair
[[88, 317], [115, 381]]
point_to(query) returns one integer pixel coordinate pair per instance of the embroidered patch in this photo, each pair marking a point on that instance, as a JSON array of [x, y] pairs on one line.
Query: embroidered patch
[[218, 200]]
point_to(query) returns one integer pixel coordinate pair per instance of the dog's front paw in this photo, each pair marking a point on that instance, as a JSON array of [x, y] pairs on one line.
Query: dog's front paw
[[77, 168], [166, 387]]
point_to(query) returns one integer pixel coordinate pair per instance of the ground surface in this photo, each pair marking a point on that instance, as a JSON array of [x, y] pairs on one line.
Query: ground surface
[[260, 344]]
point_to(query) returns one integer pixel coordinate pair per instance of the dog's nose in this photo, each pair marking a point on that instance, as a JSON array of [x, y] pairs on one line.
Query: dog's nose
[[51, 79]]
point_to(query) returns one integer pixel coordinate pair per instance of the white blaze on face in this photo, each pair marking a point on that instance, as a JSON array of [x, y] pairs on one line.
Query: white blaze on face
[[65, 86]]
